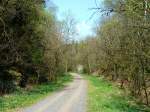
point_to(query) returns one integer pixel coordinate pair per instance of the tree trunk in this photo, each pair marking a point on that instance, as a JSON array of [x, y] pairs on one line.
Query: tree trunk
[[23, 81], [66, 67]]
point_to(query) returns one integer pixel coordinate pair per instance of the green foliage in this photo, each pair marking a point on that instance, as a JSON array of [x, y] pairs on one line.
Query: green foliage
[[22, 98], [120, 49], [105, 97], [30, 43]]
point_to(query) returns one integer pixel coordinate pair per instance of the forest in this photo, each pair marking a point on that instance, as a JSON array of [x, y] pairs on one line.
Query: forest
[[120, 50], [35, 47]]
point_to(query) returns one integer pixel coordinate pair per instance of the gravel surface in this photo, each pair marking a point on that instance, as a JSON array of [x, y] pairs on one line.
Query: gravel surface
[[71, 99]]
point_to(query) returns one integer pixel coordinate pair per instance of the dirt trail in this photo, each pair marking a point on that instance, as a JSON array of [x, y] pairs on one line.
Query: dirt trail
[[71, 99]]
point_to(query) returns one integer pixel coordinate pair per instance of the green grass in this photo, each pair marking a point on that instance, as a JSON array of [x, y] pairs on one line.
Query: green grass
[[103, 96], [22, 98]]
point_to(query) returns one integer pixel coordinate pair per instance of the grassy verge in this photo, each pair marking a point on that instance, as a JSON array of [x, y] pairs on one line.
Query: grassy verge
[[22, 98], [105, 97]]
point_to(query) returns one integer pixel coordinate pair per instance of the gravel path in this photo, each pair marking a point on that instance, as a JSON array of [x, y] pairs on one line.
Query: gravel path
[[71, 99]]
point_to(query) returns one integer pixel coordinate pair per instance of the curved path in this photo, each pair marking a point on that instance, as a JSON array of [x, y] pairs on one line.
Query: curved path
[[71, 99]]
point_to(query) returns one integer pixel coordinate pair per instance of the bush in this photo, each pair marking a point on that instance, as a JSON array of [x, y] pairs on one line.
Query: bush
[[7, 83]]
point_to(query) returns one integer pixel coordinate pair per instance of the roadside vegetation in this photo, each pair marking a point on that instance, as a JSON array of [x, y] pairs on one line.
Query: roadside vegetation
[[103, 96], [26, 97], [120, 51]]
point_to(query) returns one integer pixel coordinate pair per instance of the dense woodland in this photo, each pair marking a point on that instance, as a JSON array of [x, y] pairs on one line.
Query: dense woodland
[[120, 51], [35, 47]]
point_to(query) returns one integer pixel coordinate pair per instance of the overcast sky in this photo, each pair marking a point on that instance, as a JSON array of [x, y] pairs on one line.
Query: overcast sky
[[81, 12]]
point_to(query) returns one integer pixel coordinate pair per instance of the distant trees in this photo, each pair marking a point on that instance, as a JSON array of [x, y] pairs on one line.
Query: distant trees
[[68, 31], [88, 54]]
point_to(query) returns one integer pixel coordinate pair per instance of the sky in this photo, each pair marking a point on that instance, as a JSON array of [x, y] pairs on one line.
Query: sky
[[80, 9]]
